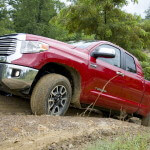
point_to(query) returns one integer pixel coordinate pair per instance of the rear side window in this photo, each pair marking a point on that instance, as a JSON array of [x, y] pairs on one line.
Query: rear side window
[[130, 63]]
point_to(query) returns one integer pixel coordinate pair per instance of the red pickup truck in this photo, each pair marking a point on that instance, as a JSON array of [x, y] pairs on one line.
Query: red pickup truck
[[54, 74]]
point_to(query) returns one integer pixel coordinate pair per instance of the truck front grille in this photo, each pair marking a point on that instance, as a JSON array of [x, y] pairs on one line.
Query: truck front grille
[[7, 45]]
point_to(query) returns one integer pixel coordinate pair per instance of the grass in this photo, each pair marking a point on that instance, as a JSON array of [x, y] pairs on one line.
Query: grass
[[127, 142]]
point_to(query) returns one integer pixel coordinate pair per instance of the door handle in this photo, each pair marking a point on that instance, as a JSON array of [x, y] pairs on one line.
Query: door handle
[[93, 65], [120, 73]]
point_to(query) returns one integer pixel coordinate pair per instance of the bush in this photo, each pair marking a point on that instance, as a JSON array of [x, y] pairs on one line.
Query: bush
[[146, 69]]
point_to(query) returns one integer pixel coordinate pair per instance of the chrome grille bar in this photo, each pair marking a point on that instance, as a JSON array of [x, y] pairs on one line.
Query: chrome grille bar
[[7, 45]]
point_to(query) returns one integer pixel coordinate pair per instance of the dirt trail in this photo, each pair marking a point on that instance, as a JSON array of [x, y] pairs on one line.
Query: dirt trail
[[47, 132], [19, 130]]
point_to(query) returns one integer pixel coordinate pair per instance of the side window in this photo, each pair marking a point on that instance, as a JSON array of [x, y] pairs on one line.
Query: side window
[[130, 63], [113, 61]]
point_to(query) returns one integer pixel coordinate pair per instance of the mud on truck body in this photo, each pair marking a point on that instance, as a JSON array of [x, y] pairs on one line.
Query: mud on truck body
[[55, 74]]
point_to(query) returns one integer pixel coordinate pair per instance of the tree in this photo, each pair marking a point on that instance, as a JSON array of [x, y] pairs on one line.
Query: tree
[[145, 25], [105, 20], [6, 25], [147, 13], [33, 16]]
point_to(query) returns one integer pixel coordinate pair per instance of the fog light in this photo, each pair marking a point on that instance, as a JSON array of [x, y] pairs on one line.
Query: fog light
[[15, 73]]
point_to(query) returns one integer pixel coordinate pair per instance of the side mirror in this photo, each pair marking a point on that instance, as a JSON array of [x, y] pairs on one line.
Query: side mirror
[[104, 52]]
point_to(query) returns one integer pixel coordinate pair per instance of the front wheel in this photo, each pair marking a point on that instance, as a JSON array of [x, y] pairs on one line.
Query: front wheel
[[51, 95], [146, 121]]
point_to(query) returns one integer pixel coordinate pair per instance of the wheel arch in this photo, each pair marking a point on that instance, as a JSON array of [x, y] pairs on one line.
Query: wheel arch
[[70, 73]]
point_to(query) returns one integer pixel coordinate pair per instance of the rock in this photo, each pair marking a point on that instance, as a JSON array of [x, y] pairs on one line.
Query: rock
[[42, 128], [70, 146]]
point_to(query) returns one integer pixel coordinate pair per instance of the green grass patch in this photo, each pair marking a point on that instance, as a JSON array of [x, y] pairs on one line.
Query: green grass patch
[[127, 142]]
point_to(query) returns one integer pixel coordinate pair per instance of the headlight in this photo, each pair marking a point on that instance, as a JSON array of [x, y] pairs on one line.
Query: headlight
[[33, 47]]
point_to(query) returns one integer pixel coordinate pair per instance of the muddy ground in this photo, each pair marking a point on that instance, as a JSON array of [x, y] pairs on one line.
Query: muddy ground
[[19, 129]]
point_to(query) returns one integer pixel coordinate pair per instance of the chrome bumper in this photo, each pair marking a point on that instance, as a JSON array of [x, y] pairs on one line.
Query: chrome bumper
[[16, 78]]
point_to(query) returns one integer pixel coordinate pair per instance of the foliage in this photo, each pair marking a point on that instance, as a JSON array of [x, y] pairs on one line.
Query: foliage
[[33, 16], [6, 25], [106, 21], [145, 25], [147, 13], [146, 69]]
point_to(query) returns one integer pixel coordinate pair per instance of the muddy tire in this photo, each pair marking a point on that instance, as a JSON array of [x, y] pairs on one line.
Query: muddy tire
[[51, 95], [146, 121]]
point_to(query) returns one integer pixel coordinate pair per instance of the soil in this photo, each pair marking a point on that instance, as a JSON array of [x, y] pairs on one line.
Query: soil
[[19, 129]]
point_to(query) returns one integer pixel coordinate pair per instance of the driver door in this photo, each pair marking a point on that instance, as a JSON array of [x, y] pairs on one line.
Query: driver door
[[102, 70]]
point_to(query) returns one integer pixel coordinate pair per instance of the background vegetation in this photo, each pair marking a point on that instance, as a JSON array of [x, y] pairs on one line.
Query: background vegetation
[[82, 20]]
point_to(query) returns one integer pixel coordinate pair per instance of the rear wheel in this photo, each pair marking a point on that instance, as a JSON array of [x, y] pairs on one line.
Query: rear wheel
[[146, 121], [51, 95]]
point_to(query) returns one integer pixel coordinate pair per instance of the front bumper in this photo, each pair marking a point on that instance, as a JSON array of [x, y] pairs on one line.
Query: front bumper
[[16, 79]]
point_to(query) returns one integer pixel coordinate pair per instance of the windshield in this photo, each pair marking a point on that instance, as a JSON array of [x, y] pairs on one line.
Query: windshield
[[82, 44]]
